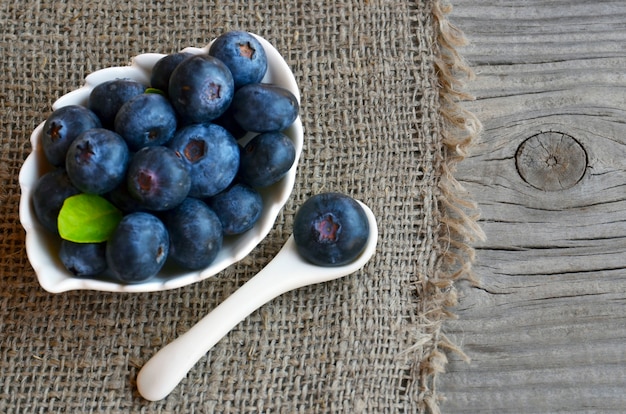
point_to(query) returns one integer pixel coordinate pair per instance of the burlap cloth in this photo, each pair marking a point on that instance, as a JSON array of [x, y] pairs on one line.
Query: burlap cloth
[[383, 123]]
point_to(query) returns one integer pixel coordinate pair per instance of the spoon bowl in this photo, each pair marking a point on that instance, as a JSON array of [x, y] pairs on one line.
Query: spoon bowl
[[287, 271]]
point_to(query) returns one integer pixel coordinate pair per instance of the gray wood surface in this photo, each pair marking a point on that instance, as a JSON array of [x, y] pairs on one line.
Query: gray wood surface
[[546, 327]]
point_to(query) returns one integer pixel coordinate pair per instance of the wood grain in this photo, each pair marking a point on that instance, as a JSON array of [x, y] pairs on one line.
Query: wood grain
[[546, 327]]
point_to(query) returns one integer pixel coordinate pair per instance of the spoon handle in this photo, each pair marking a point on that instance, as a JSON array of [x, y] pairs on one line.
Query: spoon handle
[[162, 373]]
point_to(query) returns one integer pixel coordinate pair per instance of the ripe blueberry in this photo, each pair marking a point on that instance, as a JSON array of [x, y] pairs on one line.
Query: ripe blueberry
[[138, 248], [61, 129], [108, 97], [96, 161], [121, 198], [83, 259], [227, 120], [200, 89], [163, 68], [330, 229], [195, 234], [266, 159], [243, 54], [146, 120], [211, 155], [49, 193], [239, 208], [158, 178], [261, 107]]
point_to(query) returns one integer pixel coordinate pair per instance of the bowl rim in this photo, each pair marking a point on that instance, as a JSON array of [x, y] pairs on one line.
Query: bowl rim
[[51, 274]]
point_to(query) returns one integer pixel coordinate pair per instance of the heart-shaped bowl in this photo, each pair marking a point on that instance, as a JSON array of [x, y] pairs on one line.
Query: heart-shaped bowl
[[42, 247]]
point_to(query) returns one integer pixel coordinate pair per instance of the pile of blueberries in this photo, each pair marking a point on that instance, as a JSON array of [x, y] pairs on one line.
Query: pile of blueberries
[[168, 157]]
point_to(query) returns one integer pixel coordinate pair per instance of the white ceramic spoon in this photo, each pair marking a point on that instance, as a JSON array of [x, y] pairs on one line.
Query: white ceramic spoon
[[287, 271]]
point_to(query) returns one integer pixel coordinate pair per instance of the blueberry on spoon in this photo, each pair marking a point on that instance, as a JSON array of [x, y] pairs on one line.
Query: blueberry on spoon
[[330, 229]]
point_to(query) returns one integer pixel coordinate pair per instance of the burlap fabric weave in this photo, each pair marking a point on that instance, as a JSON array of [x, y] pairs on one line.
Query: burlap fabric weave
[[382, 121]]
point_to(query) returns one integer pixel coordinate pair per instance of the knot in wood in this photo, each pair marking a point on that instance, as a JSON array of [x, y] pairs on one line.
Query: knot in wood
[[551, 161]]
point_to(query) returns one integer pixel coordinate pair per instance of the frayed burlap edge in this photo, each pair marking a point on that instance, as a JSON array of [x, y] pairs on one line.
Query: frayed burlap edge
[[458, 228]]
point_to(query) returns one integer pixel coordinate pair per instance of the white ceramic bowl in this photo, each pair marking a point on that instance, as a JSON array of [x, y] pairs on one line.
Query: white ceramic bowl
[[42, 247]]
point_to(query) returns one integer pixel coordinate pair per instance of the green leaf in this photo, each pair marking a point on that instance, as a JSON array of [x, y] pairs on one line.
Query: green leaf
[[154, 90], [87, 218]]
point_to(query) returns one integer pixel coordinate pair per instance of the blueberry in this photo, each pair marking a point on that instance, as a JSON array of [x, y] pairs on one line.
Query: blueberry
[[330, 229], [121, 198], [261, 107], [200, 89], [158, 178], [108, 97], [163, 68], [146, 120], [96, 161], [211, 154], [227, 120], [195, 234], [83, 259], [62, 127], [243, 54], [138, 248], [239, 208], [49, 193], [266, 158]]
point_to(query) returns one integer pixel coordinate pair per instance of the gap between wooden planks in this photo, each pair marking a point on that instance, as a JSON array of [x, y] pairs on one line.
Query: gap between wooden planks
[[546, 327]]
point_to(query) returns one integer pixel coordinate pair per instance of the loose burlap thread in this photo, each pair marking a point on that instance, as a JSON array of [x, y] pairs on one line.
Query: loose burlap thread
[[381, 92]]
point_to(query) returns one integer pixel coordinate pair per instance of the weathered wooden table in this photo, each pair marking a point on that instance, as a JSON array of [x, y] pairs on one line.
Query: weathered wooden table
[[546, 327]]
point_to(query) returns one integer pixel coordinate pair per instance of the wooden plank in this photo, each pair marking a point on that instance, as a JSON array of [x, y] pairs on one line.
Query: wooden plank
[[546, 327]]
